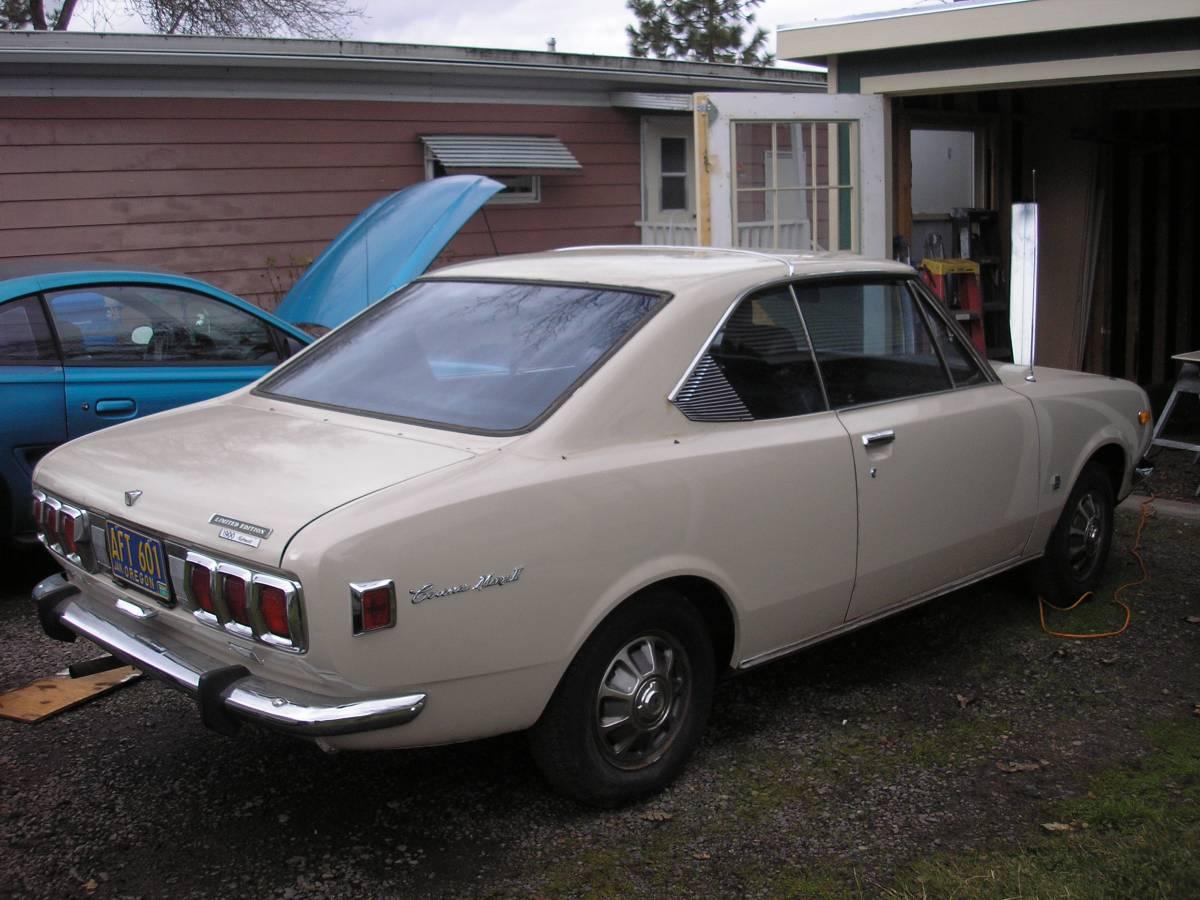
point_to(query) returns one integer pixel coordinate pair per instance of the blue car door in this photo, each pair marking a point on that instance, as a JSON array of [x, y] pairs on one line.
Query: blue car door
[[32, 417], [135, 349]]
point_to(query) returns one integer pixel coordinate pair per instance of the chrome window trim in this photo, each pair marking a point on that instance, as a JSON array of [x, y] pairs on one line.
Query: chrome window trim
[[933, 306], [812, 352], [357, 589], [907, 397], [779, 258], [262, 388], [712, 336]]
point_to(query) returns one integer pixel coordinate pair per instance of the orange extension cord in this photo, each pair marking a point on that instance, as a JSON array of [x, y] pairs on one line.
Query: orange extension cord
[[1137, 543]]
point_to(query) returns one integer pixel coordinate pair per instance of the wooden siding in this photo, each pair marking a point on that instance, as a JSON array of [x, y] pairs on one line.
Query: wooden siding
[[243, 193]]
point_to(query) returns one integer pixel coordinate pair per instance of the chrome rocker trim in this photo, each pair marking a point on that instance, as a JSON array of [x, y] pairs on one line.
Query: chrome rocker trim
[[225, 693]]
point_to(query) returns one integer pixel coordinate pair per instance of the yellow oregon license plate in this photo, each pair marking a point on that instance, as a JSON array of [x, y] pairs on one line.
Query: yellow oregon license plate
[[138, 560]]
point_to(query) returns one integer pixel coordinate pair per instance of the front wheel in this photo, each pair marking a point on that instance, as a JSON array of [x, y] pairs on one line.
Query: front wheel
[[1078, 546], [632, 705]]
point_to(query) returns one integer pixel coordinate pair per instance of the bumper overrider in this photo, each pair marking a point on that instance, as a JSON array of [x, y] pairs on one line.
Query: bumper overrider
[[227, 695]]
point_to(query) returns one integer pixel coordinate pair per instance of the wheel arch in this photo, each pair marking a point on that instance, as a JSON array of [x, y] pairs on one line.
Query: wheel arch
[[702, 592], [1111, 458]]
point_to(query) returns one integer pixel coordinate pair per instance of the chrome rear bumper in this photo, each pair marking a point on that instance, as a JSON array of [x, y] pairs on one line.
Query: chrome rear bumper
[[226, 694]]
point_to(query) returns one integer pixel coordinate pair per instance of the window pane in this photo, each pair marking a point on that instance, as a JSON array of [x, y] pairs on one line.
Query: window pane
[[763, 353], [804, 170], [871, 342], [24, 333], [471, 355], [753, 148], [674, 192], [962, 367], [147, 323], [674, 155]]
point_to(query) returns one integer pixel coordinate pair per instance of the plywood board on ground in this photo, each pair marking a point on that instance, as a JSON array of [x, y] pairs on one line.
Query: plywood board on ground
[[47, 696]]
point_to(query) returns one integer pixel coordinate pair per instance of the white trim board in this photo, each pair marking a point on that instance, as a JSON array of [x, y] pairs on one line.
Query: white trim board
[[1139, 65], [969, 21]]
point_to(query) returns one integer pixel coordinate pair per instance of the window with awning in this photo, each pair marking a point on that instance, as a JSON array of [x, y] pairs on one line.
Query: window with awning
[[517, 161]]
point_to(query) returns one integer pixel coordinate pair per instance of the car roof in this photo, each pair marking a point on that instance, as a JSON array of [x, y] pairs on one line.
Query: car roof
[[26, 268], [667, 269]]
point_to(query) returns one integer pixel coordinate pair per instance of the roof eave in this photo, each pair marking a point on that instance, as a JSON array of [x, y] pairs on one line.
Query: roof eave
[[265, 54], [965, 20]]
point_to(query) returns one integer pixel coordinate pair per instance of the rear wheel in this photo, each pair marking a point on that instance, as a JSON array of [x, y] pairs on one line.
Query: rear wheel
[[1078, 547], [631, 707]]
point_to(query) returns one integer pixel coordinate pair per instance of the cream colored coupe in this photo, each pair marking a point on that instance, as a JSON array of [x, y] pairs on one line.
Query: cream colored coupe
[[563, 492]]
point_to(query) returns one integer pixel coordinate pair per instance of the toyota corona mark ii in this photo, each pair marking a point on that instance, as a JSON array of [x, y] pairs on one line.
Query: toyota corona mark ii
[[564, 492]]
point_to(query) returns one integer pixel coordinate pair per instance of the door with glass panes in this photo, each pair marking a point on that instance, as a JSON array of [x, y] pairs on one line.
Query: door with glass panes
[[792, 172], [669, 185]]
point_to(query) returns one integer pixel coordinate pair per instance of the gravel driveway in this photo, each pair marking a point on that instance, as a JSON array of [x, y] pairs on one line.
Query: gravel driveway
[[947, 730]]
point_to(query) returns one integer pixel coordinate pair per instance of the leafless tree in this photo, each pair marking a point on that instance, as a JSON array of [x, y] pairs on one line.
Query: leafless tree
[[226, 18], [301, 18]]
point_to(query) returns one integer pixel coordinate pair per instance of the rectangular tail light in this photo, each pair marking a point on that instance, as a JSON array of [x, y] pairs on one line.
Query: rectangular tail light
[[276, 612], [372, 606]]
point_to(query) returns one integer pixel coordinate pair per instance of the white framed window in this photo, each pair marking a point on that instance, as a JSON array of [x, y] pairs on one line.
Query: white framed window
[[795, 186]]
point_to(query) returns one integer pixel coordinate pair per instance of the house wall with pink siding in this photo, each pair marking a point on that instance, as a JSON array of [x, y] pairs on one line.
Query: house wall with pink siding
[[243, 193]]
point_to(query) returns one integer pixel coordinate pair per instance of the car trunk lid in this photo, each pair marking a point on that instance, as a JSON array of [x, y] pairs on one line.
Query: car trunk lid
[[236, 471]]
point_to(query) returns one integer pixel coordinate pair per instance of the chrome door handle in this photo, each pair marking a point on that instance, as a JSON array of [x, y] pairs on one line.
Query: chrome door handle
[[878, 438]]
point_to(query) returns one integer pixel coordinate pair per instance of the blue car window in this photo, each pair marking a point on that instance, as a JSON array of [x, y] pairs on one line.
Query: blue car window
[[24, 333], [154, 324]]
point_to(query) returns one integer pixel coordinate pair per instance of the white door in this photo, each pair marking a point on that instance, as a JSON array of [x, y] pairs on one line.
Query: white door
[[795, 172], [669, 181]]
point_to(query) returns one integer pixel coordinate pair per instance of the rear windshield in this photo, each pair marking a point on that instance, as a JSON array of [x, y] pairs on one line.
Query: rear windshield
[[469, 355]]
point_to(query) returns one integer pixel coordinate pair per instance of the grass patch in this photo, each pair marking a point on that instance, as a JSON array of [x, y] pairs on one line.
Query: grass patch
[[1142, 838]]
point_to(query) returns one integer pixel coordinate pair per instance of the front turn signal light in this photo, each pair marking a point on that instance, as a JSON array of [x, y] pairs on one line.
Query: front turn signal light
[[1143, 417]]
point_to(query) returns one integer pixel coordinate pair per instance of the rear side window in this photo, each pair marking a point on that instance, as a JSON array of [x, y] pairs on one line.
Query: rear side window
[[758, 366], [477, 356], [871, 342], [24, 333]]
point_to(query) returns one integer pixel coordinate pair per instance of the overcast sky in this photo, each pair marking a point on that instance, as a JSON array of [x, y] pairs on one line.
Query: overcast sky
[[580, 26]]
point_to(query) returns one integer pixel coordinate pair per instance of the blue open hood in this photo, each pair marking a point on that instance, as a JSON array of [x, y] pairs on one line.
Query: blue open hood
[[390, 243]]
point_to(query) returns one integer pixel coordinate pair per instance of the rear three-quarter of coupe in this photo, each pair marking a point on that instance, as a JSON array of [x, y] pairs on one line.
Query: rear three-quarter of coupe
[[565, 492]]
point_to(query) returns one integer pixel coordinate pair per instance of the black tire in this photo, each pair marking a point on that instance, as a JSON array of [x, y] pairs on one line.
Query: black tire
[[667, 703], [1078, 547]]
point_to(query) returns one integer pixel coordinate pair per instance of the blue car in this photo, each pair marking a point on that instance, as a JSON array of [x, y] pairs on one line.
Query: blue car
[[84, 346]]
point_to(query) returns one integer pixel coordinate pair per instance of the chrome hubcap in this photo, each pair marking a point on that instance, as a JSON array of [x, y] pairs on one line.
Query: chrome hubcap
[[642, 700], [1085, 535]]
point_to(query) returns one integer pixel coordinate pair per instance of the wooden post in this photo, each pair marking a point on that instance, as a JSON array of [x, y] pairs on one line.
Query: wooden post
[[703, 196]]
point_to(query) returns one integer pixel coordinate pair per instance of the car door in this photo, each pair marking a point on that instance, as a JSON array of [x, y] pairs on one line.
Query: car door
[[945, 457], [776, 473], [32, 417], [134, 349]]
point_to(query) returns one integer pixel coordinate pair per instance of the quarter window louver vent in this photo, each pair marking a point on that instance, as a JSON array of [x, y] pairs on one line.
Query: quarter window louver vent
[[708, 397]]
